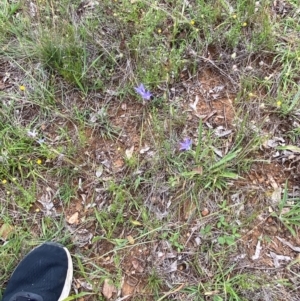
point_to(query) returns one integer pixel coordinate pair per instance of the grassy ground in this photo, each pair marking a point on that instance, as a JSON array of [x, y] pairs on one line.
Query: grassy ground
[[88, 161]]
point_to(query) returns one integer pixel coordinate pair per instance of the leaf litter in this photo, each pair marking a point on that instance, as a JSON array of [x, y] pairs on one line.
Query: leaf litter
[[216, 109], [108, 156], [108, 289]]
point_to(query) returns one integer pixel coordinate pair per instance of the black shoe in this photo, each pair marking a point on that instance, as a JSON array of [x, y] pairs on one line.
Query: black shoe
[[45, 274]]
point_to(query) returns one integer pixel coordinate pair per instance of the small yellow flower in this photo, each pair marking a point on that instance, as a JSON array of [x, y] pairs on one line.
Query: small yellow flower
[[278, 103], [250, 94], [8, 192], [234, 16], [37, 210], [159, 30], [22, 88], [4, 181], [14, 179], [192, 22], [39, 161], [244, 24]]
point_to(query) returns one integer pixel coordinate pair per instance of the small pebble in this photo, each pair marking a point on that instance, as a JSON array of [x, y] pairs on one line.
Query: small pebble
[[205, 212]]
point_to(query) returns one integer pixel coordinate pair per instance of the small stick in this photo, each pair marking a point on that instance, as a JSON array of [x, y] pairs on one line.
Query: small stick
[[171, 292]]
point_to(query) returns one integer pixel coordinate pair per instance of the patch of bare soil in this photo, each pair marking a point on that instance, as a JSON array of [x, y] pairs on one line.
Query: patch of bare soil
[[266, 173], [270, 245], [267, 246], [134, 265], [209, 97]]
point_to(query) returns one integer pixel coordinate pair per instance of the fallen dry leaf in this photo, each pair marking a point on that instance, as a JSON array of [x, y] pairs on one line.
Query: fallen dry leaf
[[198, 170], [2, 86], [46, 201], [136, 223], [74, 219], [257, 250], [99, 171], [33, 9], [194, 104], [217, 152], [172, 268], [276, 194], [129, 152], [137, 266], [277, 257], [108, 289], [285, 210], [221, 132], [84, 284], [127, 289], [144, 149], [118, 163], [130, 239], [5, 230], [296, 249]]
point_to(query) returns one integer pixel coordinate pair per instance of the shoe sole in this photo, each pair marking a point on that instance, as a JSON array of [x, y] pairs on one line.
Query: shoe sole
[[69, 277], [67, 287], [11, 294]]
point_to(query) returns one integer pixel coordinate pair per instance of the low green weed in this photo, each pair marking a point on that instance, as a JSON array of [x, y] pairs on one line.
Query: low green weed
[[70, 69], [231, 231], [154, 282], [289, 211]]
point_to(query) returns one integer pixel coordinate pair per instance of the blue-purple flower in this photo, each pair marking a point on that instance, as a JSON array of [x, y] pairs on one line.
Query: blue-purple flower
[[143, 92], [186, 144]]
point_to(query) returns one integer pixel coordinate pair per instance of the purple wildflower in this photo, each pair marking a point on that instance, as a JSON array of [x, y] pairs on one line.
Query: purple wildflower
[[186, 144], [143, 92]]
